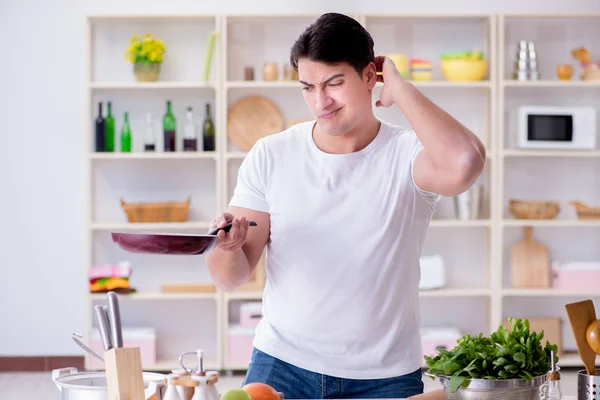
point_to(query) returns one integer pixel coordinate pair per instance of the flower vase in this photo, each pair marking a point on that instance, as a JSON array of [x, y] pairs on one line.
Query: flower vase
[[146, 72]]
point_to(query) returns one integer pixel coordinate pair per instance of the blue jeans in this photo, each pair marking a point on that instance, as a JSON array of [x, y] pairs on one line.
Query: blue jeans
[[298, 383]]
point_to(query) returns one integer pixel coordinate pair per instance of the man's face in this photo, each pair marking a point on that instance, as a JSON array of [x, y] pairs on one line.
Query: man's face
[[338, 97]]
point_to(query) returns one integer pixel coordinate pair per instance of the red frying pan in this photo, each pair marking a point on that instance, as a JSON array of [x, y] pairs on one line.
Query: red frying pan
[[160, 243]]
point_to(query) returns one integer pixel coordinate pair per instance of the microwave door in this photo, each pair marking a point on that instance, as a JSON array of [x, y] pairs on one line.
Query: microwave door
[[550, 129]]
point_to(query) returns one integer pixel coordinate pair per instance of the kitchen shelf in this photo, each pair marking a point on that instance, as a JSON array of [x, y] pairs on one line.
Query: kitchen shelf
[[228, 296], [547, 293], [567, 223], [150, 85], [199, 155], [551, 153], [493, 103], [551, 84], [160, 296], [572, 359]]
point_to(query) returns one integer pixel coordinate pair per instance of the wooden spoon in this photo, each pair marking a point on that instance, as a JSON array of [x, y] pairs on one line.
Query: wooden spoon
[[581, 314], [592, 335]]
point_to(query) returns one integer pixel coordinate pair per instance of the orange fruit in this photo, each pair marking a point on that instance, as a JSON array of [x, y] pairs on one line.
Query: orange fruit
[[261, 391]]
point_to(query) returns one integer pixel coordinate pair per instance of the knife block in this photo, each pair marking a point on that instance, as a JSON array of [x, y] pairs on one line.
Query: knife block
[[124, 375]]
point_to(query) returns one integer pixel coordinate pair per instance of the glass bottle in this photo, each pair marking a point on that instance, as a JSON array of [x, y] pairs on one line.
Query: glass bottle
[[109, 144], [126, 135], [169, 129], [149, 138], [554, 391], [208, 131], [99, 130], [190, 139]]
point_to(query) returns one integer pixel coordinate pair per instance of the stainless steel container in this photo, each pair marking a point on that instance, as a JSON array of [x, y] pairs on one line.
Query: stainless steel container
[[501, 389], [74, 385], [526, 64], [588, 386]]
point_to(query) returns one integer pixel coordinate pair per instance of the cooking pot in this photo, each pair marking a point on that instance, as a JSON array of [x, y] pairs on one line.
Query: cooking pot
[[75, 385]]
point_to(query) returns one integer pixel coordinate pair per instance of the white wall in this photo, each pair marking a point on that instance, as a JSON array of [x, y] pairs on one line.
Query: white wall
[[41, 151]]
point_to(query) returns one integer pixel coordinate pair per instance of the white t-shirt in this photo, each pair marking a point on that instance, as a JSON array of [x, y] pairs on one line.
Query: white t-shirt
[[342, 265]]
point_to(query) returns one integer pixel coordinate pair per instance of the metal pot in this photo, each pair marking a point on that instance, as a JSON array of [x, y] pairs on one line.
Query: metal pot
[[74, 385]]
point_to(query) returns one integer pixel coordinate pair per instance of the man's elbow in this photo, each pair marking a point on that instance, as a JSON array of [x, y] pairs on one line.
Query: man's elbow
[[468, 170]]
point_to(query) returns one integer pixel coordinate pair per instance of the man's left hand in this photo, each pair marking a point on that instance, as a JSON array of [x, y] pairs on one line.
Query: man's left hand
[[388, 74]]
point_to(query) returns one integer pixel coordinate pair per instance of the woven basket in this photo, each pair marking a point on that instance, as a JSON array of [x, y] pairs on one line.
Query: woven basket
[[584, 211], [169, 211], [533, 209]]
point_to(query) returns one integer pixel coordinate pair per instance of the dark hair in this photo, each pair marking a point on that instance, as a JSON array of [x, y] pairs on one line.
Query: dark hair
[[332, 39]]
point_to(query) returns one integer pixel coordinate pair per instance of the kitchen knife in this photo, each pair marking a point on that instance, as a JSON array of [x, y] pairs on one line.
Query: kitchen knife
[[114, 317], [103, 327]]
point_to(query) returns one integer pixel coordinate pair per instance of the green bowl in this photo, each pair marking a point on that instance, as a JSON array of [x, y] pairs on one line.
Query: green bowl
[[459, 55]]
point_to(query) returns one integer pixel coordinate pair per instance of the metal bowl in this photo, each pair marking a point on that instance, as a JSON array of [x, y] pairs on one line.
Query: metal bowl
[[500, 389]]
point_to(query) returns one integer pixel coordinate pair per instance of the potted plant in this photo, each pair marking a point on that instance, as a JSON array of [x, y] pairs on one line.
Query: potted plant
[[146, 55]]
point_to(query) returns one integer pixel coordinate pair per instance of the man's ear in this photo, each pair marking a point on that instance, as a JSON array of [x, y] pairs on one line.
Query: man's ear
[[371, 75]]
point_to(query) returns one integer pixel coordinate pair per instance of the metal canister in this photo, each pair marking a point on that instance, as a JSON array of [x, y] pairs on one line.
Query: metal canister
[[588, 386]]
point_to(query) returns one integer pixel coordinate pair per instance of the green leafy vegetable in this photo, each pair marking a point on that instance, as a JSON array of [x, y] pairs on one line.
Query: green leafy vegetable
[[515, 353]]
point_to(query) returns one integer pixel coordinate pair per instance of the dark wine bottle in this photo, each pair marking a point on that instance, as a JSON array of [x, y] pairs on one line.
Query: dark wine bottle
[[208, 131], [109, 144], [169, 129], [100, 130]]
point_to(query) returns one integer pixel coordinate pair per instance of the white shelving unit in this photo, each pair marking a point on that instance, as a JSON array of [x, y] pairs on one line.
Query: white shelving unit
[[544, 174], [478, 295]]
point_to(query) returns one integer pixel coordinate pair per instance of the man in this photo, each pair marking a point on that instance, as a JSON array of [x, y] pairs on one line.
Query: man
[[342, 204]]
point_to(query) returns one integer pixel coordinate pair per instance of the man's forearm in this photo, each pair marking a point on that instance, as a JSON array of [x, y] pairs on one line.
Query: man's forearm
[[228, 269], [449, 144]]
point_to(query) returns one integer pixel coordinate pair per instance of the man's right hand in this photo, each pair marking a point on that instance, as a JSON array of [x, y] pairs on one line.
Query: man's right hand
[[236, 237]]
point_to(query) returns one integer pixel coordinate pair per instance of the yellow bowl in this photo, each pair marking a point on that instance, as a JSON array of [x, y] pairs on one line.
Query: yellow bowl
[[464, 70]]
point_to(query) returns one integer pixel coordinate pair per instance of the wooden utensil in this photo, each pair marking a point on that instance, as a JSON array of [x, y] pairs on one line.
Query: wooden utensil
[[581, 314], [529, 262], [592, 334], [252, 118]]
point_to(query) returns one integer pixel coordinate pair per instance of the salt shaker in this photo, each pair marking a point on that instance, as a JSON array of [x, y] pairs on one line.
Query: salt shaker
[[171, 392]]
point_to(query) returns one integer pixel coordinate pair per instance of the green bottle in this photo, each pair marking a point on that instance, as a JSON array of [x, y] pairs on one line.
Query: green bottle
[[208, 131], [109, 140], [126, 135], [169, 129]]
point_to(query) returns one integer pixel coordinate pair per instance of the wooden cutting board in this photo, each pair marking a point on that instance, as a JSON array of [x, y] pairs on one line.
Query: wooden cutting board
[[529, 262], [252, 118]]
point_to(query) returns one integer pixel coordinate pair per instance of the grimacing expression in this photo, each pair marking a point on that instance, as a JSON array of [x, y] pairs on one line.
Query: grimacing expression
[[337, 96]]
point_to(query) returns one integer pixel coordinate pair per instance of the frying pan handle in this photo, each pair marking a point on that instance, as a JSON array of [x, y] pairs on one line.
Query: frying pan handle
[[226, 228]]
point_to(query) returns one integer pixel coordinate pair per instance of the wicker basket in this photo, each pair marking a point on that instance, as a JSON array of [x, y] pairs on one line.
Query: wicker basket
[[169, 211], [584, 211], [533, 209]]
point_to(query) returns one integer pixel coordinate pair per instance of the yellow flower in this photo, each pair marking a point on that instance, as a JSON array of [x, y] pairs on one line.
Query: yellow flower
[[148, 49]]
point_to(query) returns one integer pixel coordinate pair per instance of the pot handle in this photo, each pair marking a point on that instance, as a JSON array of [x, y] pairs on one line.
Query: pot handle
[[58, 373]]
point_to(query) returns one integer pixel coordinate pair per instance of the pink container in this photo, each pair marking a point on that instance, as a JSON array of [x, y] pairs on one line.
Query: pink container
[[432, 338], [144, 338], [239, 346], [579, 279], [250, 314]]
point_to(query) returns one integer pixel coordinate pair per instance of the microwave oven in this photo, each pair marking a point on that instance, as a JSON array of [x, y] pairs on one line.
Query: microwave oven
[[565, 128]]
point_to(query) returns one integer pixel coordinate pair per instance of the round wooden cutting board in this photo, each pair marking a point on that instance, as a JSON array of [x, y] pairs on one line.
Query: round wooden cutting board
[[252, 118]]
